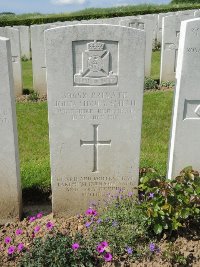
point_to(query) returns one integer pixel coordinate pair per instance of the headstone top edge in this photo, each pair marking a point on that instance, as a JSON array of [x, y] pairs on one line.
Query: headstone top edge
[[4, 39]]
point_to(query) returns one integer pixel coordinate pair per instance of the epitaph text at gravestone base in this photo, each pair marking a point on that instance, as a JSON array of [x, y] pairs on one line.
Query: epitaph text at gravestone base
[[95, 76], [184, 143], [10, 190]]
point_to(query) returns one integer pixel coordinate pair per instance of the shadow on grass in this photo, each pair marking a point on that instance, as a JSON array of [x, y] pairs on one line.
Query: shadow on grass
[[36, 195]]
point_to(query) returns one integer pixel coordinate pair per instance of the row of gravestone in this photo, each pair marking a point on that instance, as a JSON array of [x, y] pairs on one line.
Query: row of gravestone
[[154, 25], [95, 114]]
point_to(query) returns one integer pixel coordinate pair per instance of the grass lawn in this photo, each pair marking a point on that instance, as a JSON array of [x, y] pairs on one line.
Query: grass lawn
[[33, 132]]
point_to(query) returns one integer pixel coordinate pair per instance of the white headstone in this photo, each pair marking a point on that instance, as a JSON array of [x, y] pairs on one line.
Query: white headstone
[[160, 26], [147, 26], [38, 57], [14, 36], [24, 41], [10, 189], [184, 144], [95, 112], [169, 48]]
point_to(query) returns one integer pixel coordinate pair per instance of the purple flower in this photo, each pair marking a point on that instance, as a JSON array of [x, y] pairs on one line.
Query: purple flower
[[32, 219], [104, 244], [99, 220], [49, 225], [152, 247], [39, 215], [151, 195], [100, 248], [75, 246], [18, 231], [7, 239], [89, 211], [36, 229], [107, 257], [130, 194], [20, 247], [11, 250], [129, 250], [87, 224], [114, 224]]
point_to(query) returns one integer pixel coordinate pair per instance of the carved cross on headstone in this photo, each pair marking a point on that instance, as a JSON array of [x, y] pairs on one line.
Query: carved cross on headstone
[[95, 143]]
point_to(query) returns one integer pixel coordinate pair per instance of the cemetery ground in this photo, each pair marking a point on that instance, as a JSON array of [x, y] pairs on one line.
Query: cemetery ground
[[161, 228]]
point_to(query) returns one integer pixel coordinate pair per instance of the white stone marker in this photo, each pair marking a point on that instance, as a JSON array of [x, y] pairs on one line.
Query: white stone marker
[[38, 57], [25, 42], [10, 189], [170, 43], [160, 26], [184, 144], [14, 36], [147, 26], [95, 112]]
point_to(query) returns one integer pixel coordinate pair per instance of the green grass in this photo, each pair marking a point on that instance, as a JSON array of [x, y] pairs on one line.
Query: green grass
[[33, 132], [157, 110], [155, 65], [27, 74], [33, 144]]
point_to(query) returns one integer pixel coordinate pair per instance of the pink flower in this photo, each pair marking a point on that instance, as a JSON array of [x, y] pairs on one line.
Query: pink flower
[[75, 246], [39, 215], [100, 248], [94, 213], [7, 239], [104, 244], [36, 229], [49, 225], [32, 219], [89, 211], [107, 257], [18, 231], [20, 247], [11, 250]]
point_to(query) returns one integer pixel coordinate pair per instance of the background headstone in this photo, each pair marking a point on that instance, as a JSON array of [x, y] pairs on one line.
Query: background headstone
[[10, 189], [95, 112], [14, 36], [25, 41], [184, 144], [147, 26], [170, 44]]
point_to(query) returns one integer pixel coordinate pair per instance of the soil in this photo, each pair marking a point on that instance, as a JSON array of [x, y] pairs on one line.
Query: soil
[[186, 243]]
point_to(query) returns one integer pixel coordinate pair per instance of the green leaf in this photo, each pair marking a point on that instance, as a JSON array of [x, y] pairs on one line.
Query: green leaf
[[158, 228]]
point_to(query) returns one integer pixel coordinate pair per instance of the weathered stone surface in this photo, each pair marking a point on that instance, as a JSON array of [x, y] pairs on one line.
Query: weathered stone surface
[[25, 41], [184, 144], [38, 57], [147, 26], [10, 190], [14, 36], [95, 112], [170, 43], [160, 26]]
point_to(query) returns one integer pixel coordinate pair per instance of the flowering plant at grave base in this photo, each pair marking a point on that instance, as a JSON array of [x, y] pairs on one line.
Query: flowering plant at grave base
[[60, 250], [170, 203], [122, 225]]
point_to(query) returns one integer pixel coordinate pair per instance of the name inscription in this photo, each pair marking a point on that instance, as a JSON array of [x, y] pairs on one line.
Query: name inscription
[[94, 105], [96, 186]]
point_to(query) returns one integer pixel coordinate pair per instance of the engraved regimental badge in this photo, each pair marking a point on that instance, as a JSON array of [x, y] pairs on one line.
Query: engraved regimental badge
[[95, 66]]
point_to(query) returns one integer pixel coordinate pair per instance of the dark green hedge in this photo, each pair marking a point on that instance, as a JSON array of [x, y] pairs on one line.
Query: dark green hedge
[[105, 13], [185, 1]]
